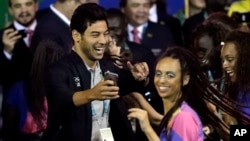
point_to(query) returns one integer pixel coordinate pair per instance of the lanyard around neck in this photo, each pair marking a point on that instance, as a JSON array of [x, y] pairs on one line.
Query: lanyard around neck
[[104, 109]]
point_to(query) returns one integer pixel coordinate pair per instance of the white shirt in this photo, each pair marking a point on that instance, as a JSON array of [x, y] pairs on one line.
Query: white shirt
[[153, 17], [18, 26], [100, 109], [60, 15], [140, 31]]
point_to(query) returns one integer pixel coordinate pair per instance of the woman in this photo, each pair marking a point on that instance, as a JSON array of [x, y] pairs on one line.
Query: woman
[[236, 64], [206, 44], [184, 90]]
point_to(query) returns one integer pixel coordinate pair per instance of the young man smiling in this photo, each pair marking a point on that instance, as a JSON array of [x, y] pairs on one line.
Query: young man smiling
[[80, 101]]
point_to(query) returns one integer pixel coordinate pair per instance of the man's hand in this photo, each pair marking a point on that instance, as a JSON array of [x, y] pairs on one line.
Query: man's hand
[[140, 70], [9, 38], [104, 90]]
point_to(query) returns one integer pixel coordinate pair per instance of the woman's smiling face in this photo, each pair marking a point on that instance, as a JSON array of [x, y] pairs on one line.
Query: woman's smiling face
[[229, 56]]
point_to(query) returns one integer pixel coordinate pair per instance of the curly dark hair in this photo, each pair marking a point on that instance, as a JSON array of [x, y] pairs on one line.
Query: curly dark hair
[[242, 84], [198, 91]]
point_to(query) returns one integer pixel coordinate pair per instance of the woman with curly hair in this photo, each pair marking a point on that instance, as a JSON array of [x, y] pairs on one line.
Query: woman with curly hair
[[185, 92], [236, 65]]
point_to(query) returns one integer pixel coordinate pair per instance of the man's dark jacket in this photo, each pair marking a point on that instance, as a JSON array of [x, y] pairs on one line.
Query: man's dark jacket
[[66, 122]]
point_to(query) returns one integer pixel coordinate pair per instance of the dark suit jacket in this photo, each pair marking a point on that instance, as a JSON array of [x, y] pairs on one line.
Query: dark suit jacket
[[67, 122], [189, 25], [18, 67], [157, 37], [51, 27], [172, 23]]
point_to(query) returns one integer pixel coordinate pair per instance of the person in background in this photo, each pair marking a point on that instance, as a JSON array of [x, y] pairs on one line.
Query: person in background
[[195, 7], [207, 47], [122, 50], [206, 43], [185, 91], [235, 63], [192, 22], [15, 54], [239, 6], [158, 14], [54, 23], [140, 30], [80, 102], [15, 42], [26, 102]]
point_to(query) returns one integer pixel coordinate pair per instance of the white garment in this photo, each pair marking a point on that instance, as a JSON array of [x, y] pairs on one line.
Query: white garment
[[153, 14], [100, 109], [140, 31], [60, 15]]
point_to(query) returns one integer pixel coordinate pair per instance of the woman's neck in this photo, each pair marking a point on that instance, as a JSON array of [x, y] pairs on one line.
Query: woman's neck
[[169, 102]]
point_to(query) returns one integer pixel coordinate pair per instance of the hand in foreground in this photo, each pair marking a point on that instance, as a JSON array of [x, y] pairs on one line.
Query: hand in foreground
[[9, 38], [105, 90], [139, 71], [142, 116]]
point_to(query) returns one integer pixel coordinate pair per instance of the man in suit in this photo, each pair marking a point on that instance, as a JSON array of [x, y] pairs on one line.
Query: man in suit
[[152, 35], [80, 101], [15, 54], [54, 23], [15, 41]]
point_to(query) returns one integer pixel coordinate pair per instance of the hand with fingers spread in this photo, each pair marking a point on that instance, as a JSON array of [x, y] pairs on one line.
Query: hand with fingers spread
[[105, 90], [139, 71], [9, 38]]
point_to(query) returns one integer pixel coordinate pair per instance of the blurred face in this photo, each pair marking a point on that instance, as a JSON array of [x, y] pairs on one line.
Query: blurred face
[[116, 26], [167, 78], [91, 44], [229, 57], [137, 11], [23, 11], [204, 49], [198, 3]]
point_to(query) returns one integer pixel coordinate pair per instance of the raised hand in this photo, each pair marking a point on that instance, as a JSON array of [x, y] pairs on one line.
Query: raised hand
[[9, 38], [139, 71]]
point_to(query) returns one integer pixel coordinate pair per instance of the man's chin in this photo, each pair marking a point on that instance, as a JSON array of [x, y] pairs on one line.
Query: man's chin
[[26, 22]]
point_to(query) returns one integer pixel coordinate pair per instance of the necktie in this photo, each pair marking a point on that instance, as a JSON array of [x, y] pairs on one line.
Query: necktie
[[136, 37], [30, 34]]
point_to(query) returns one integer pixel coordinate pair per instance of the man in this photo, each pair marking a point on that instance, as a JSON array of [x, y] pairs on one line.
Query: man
[[78, 97], [139, 53], [54, 23], [15, 55], [141, 30], [15, 41]]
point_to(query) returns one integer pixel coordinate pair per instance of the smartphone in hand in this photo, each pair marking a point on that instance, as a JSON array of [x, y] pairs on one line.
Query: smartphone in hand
[[111, 76], [23, 33]]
